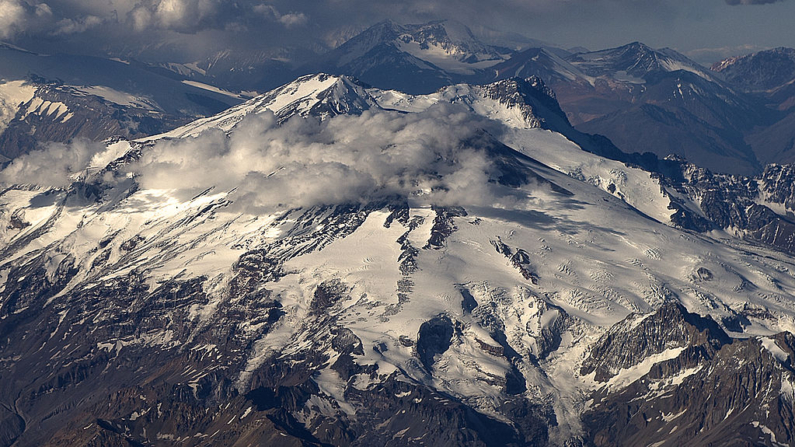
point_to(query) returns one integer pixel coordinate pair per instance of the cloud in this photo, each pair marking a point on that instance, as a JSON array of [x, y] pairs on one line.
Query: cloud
[[293, 19], [288, 20], [426, 157], [186, 16], [12, 17], [751, 2], [54, 165], [18, 16], [78, 25]]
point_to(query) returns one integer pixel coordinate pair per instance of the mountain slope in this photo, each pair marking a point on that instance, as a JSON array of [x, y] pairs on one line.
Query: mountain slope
[[770, 76], [411, 58], [658, 101], [763, 71], [542, 63], [61, 97], [670, 191], [439, 269], [316, 95]]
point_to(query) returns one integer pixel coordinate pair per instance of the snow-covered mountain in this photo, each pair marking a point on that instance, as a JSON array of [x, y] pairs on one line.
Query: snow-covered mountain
[[412, 58], [541, 62], [60, 97], [636, 62], [644, 99], [335, 264], [648, 100]]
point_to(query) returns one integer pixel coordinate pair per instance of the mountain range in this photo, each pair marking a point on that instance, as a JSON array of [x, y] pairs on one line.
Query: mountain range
[[643, 99], [57, 98], [335, 264]]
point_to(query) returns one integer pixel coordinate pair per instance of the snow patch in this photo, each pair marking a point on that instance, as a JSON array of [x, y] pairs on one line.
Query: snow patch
[[628, 375], [211, 88], [13, 94], [774, 349], [117, 97]]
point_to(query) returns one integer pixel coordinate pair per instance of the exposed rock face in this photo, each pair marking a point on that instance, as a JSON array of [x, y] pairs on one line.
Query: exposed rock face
[[723, 400], [777, 184], [525, 93], [631, 342], [81, 116], [434, 338], [740, 204], [761, 71], [443, 226]]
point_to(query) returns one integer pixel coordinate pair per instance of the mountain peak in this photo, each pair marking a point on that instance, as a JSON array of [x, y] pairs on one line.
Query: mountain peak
[[763, 70], [638, 46], [321, 94], [418, 58], [637, 60]]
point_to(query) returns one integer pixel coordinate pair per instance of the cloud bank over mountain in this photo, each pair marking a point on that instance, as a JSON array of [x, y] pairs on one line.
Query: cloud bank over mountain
[[435, 157], [197, 28]]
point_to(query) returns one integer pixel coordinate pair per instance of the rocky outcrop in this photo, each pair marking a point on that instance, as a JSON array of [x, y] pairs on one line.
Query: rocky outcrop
[[639, 337]]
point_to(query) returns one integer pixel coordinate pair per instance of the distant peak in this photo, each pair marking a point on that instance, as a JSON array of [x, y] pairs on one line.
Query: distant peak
[[316, 77], [388, 23], [330, 79], [639, 47]]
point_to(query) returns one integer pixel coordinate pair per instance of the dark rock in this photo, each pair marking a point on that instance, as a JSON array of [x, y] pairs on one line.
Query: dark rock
[[704, 274], [469, 303], [443, 226], [346, 342], [327, 294], [435, 337]]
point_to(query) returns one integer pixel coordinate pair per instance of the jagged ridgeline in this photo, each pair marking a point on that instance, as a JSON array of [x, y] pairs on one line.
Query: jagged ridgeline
[[334, 264]]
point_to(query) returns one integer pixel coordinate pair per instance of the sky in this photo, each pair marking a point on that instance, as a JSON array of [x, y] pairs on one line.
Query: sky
[[189, 30]]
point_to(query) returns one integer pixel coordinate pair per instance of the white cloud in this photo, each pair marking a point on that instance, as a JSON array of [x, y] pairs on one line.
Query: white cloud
[[290, 20], [13, 18], [181, 15], [171, 12], [54, 165], [78, 25], [293, 19], [347, 159], [141, 18], [43, 10]]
